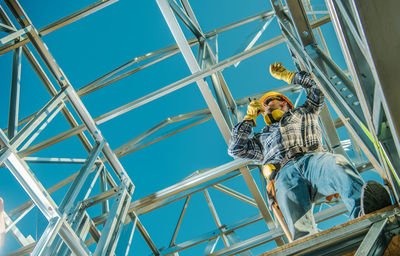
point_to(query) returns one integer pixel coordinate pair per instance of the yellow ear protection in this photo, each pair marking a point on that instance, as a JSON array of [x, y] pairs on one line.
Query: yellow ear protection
[[276, 114], [274, 117]]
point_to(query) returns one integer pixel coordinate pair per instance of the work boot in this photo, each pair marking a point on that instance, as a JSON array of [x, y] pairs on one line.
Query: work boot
[[373, 197]]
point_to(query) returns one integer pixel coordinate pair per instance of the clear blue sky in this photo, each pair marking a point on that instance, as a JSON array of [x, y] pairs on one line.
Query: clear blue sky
[[95, 45]]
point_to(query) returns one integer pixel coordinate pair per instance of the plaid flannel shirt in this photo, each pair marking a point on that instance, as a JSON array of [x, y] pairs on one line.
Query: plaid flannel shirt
[[297, 128]]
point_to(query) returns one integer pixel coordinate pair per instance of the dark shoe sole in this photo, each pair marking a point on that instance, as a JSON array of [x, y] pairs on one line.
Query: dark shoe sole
[[373, 197]]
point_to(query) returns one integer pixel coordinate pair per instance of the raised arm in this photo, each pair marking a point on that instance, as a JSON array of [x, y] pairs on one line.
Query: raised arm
[[315, 97], [242, 145]]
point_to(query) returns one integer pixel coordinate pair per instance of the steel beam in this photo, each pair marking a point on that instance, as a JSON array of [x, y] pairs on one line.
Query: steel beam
[[15, 35], [194, 67], [48, 236], [46, 81], [187, 184], [192, 25], [147, 238], [7, 29], [178, 224], [215, 216], [59, 24], [211, 235], [112, 229], [235, 194], [44, 115], [10, 226], [131, 235], [14, 96], [262, 206], [70, 197], [370, 242], [362, 51]]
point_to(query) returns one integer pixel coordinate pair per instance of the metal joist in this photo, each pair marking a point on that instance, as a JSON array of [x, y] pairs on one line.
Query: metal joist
[[216, 217]]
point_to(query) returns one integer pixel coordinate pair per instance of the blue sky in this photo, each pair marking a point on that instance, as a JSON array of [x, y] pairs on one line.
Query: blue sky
[[97, 44]]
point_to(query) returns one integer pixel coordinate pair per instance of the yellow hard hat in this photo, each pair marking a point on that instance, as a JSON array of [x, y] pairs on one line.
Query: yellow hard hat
[[272, 93]]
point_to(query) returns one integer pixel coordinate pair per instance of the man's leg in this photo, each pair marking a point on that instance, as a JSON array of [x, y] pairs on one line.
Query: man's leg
[[332, 174], [293, 197]]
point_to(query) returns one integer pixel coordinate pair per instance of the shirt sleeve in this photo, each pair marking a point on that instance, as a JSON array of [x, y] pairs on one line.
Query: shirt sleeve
[[315, 97], [242, 144]]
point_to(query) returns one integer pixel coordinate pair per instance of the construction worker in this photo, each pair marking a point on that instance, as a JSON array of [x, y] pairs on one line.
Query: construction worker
[[290, 149]]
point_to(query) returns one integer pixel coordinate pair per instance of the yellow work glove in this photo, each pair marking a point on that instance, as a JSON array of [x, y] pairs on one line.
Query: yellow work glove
[[253, 110], [280, 72]]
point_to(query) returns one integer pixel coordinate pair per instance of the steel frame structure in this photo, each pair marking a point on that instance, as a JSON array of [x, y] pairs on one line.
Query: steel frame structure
[[363, 100]]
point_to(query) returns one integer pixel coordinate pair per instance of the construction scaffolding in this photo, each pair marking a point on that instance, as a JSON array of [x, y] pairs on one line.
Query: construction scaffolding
[[94, 211]]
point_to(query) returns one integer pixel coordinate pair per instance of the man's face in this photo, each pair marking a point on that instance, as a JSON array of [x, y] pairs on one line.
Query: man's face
[[272, 103]]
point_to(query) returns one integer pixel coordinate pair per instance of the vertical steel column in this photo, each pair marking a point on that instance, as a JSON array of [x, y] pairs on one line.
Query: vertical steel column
[[215, 216], [73, 191], [67, 205], [48, 236], [103, 188], [131, 235], [14, 98], [381, 34], [112, 229]]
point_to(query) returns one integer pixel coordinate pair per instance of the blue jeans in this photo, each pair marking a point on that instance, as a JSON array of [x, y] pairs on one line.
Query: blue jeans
[[300, 181]]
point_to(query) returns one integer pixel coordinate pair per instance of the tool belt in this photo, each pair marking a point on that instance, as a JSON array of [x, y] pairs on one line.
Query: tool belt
[[291, 154]]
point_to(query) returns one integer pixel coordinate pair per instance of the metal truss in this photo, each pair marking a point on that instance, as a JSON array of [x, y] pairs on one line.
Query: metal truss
[[361, 96]]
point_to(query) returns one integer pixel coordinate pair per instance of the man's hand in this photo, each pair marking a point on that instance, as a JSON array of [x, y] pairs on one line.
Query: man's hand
[[253, 110], [280, 72]]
